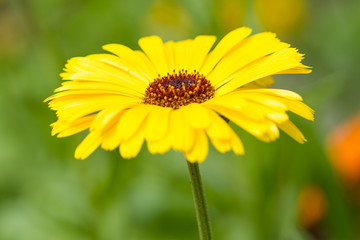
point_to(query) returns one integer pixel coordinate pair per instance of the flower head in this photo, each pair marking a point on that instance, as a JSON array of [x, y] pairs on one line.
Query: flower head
[[177, 94]]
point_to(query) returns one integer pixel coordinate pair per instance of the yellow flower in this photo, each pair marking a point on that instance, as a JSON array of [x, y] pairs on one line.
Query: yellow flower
[[177, 94]]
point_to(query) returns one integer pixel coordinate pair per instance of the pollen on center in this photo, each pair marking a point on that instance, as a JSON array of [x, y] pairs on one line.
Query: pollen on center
[[179, 89]]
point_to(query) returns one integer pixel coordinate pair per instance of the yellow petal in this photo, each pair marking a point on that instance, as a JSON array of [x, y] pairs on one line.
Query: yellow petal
[[220, 145], [96, 87], [297, 70], [224, 46], [237, 103], [160, 146], [271, 133], [300, 109], [265, 81], [123, 65], [200, 149], [279, 61], [154, 49], [262, 99], [277, 117], [157, 124], [219, 129], [93, 87], [135, 61], [196, 115], [182, 55], [169, 53], [262, 82], [291, 100], [222, 136], [132, 120], [65, 128], [256, 128], [105, 116], [85, 68], [68, 96], [200, 48], [88, 145], [251, 49], [76, 106], [274, 92], [289, 128], [146, 65], [132, 147], [111, 139], [237, 145], [253, 107], [181, 133]]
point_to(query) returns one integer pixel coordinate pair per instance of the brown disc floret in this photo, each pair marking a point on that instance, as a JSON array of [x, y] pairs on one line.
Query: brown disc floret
[[179, 89]]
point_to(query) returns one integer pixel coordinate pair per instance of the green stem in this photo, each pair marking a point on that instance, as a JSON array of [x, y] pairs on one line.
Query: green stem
[[200, 202]]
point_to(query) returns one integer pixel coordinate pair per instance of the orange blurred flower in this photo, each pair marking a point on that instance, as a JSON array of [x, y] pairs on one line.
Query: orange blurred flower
[[311, 206], [344, 150], [13, 32]]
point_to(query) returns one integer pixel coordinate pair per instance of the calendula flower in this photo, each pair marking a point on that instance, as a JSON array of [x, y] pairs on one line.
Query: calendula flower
[[177, 95]]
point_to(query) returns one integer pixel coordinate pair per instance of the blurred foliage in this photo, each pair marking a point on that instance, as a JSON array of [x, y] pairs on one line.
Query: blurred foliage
[[46, 194]]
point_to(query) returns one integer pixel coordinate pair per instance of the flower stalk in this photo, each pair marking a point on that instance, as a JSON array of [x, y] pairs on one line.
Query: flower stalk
[[200, 202]]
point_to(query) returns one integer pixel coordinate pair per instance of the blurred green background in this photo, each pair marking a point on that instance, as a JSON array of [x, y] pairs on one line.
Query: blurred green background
[[46, 194]]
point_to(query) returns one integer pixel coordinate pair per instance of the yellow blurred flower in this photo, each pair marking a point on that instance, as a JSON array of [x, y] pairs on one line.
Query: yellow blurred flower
[[231, 13], [169, 18], [343, 147], [174, 95], [281, 16]]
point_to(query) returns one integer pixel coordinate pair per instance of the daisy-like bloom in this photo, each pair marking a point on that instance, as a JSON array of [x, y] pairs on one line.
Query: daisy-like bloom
[[177, 95]]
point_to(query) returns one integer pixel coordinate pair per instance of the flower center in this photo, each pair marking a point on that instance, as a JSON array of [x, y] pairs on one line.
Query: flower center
[[179, 89]]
